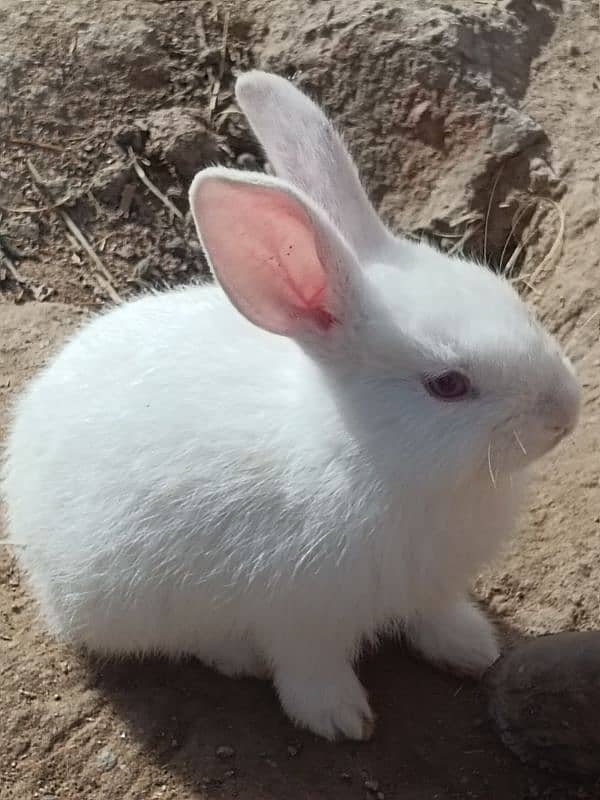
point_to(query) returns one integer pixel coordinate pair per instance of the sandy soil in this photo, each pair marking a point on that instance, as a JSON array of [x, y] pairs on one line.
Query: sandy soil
[[473, 122]]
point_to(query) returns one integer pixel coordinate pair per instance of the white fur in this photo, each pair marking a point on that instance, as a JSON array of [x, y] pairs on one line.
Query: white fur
[[180, 481]]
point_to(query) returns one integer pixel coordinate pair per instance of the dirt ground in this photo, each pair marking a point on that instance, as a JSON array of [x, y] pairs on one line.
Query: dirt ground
[[474, 122]]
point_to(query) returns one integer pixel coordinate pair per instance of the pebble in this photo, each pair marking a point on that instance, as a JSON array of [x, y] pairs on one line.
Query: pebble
[[224, 751], [176, 245], [247, 161], [22, 746], [210, 55], [106, 760], [145, 266], [109, 183], [126, 251], [131, 136]]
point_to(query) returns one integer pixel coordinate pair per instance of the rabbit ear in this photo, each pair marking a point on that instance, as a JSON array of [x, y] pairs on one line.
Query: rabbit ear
[[277, 257], [305, 149]]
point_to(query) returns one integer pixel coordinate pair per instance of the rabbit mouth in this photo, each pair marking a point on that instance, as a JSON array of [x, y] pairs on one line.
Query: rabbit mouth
[[512, 447]]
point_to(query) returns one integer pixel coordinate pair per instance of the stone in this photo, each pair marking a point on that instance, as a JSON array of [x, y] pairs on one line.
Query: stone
[[544, 696], [224, 752], [106, 760], [514, 132], [181, 138]]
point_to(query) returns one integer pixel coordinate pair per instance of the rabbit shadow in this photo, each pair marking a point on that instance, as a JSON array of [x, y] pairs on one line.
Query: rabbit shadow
[[225, 737]]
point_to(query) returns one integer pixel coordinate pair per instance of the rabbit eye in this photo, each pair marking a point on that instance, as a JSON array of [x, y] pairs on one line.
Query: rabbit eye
[[450, 385]]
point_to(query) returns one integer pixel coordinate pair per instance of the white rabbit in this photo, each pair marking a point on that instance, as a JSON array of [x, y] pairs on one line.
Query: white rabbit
[[270, 472]]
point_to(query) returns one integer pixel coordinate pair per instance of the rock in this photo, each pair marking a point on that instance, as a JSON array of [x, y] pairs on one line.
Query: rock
[[247, 161], [146, 266], [106, 760], [542, 176], [181, 138], [126, 251], [109, 183], [514, 132], [224, 752], [130, 136], [21, 746], [210, 56], [544, 696], [406, 78], [176, 246]]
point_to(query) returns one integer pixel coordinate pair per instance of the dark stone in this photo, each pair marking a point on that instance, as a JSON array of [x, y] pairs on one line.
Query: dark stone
[[544, 699]]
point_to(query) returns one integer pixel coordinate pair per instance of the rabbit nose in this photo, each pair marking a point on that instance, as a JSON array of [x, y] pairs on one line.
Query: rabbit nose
[[561, 408], [557, 431]]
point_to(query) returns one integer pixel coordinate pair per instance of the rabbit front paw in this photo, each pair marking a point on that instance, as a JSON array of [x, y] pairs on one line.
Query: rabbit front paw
[[330, 703], [459, 637]]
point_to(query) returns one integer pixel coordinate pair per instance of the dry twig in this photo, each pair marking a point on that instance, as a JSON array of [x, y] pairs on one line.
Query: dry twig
[[556, 249], [30, 143], [549, 259], [517, 217], [201, 33], [36, 209], [101, 274], [151, 186], [216, 88], [489, 211], [10, 266]]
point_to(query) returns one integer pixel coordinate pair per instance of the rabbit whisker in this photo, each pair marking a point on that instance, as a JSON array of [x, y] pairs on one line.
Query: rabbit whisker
[[490, 469], [519, 442]]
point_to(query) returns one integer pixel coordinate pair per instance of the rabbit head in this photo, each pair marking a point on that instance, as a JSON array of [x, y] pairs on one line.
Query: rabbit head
[[441, 352]]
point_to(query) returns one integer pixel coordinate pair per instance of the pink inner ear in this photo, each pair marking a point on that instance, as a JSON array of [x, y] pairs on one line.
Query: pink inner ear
[[263, 248]]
